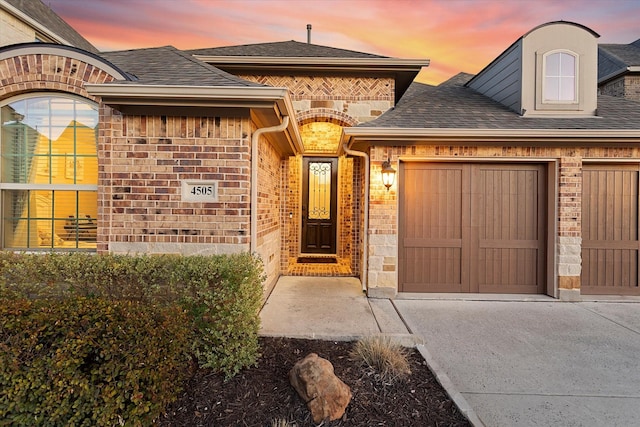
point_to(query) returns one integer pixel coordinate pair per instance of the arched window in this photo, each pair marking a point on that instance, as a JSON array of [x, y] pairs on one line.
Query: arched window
[[560, 77], [49, 173]]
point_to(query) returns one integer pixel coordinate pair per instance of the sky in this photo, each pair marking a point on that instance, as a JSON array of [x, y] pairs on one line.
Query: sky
[[455, 35]]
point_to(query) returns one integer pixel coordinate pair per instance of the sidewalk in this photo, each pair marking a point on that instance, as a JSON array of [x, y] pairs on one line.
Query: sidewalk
[[331, 308]]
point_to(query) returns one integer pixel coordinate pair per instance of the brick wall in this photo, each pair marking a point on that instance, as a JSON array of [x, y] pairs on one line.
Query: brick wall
[[626, 87], [270, 210], [30, 73], [383, 214], [144, 160], [363, 98]]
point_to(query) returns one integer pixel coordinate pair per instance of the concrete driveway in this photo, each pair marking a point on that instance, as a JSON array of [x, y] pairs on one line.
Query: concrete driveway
[[534, 363]]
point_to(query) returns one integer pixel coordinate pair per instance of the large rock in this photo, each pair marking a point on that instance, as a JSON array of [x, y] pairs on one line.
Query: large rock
[[326, 395]]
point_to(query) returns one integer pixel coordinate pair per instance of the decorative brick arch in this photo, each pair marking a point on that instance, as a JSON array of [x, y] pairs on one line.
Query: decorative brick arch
[[34, 67], [326, 115]]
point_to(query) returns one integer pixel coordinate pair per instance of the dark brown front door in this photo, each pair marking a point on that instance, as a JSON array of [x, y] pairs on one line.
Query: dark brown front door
[[610, 229], [472, 228], [319, 188]]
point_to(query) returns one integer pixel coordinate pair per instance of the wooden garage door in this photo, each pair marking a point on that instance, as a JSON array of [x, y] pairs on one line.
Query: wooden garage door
[[472, 228], [610, 229]]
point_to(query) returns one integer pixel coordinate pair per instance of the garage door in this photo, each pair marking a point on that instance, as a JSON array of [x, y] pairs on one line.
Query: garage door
[[610, 229], [472, 228]]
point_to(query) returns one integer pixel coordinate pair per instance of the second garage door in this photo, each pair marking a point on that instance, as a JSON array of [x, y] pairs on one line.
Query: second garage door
[[610, 241], [472, 228]]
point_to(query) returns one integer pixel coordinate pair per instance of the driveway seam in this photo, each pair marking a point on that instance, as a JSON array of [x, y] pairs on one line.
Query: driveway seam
[[607, 318]]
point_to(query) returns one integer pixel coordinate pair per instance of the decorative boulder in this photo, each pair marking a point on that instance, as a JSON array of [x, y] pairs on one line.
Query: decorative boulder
[[326, 395]]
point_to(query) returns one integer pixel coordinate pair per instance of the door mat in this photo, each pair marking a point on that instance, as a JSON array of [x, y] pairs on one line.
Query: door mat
[[316, 260]]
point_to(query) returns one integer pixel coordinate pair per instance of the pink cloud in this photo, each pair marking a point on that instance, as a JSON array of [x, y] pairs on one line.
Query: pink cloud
[[457, 35]]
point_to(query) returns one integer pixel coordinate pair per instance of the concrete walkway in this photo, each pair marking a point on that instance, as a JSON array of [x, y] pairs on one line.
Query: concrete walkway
[[332, 308], [505, 363]]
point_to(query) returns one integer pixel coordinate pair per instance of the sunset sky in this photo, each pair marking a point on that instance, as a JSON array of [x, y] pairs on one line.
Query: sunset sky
[[456, 35]]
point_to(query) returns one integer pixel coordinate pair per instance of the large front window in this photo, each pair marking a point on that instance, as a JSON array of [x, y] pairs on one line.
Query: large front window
[[49, 173]]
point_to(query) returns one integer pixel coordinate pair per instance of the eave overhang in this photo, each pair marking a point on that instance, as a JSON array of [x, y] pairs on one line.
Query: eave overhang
[[404, 71], [362, 138], [266, 105], [619, 73], [313, 63]]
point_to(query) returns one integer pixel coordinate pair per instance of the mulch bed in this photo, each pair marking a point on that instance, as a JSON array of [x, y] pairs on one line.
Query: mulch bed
[[260, 395]]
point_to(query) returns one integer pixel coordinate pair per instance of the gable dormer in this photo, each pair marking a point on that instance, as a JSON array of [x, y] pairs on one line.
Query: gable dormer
[[550, 71]]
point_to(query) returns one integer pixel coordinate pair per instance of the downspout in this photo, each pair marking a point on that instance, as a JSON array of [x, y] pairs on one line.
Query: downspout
[[255, 138], [365, 234]]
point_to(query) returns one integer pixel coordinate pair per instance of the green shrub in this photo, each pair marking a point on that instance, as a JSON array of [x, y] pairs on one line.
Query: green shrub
[[89, 361], [222, 294]]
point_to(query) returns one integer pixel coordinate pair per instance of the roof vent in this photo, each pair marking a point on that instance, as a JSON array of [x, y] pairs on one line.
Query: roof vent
[[308, 33]]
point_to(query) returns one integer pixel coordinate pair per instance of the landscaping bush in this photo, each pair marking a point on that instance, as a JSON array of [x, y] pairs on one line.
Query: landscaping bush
[[221, 294], [385, 358], [89, 361]]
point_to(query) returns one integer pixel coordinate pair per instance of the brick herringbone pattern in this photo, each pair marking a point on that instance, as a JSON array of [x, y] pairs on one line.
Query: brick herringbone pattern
[[347, 88]]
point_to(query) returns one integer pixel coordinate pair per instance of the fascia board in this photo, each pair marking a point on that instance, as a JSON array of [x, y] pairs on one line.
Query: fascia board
[[270, 98], [392, 135], [186, 92], [33, 23], [385, 64]]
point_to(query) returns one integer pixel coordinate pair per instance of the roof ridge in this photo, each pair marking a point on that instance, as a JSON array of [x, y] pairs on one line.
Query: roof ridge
[[230, 77]]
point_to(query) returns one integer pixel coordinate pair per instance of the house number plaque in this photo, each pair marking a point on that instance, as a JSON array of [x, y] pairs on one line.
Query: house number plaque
[[200, 191]]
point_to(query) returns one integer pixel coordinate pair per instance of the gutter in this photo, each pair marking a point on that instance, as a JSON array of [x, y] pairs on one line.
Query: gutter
[[449, 135], [365, 234], [255, 138]]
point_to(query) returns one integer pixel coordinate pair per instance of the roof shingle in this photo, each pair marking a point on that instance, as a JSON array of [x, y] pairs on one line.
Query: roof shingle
[[451, 105], [169, 66], [46, 17], [286, 49]]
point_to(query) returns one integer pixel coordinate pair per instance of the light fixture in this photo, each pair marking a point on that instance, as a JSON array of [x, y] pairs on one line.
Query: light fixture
[[388, 174]]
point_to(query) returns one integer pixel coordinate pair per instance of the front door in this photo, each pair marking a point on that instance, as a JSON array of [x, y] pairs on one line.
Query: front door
[[319, 188]]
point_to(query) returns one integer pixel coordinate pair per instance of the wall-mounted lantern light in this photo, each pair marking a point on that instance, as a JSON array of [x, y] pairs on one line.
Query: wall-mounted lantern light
[[388, 174]]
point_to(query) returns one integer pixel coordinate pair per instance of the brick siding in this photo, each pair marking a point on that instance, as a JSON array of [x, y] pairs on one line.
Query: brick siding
[[144, 159]]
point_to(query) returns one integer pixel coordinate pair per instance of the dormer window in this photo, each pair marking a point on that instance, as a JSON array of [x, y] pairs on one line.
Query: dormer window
[[559, 81], [560, 77]]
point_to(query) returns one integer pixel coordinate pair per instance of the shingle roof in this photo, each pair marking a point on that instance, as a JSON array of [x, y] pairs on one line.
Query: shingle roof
[[286, 49], [169, 66], [46, 17], [613, 58], [452, 105]]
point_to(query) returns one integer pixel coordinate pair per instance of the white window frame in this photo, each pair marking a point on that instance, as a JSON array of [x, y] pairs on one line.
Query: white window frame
[[5, 186], [541, 82]]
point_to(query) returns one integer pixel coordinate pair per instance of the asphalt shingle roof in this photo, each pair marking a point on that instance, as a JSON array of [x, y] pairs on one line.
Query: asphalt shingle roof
[[452, 105], [286, 49], [169, 66], [43, 14], [614, 57]]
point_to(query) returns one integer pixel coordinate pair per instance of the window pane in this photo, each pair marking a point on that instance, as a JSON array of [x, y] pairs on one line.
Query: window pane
[[551, 89], [553, 65], [567, 65], [567, 89], [319, 190], [49, 140]]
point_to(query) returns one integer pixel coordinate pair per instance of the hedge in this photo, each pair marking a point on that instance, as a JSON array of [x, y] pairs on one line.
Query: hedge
[[214, 299], [88, 362]]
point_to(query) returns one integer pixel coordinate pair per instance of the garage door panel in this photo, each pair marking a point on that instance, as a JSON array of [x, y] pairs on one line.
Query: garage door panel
[[431, 230], [508, 270], [610, 246], [492, 215], [433, 270]]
